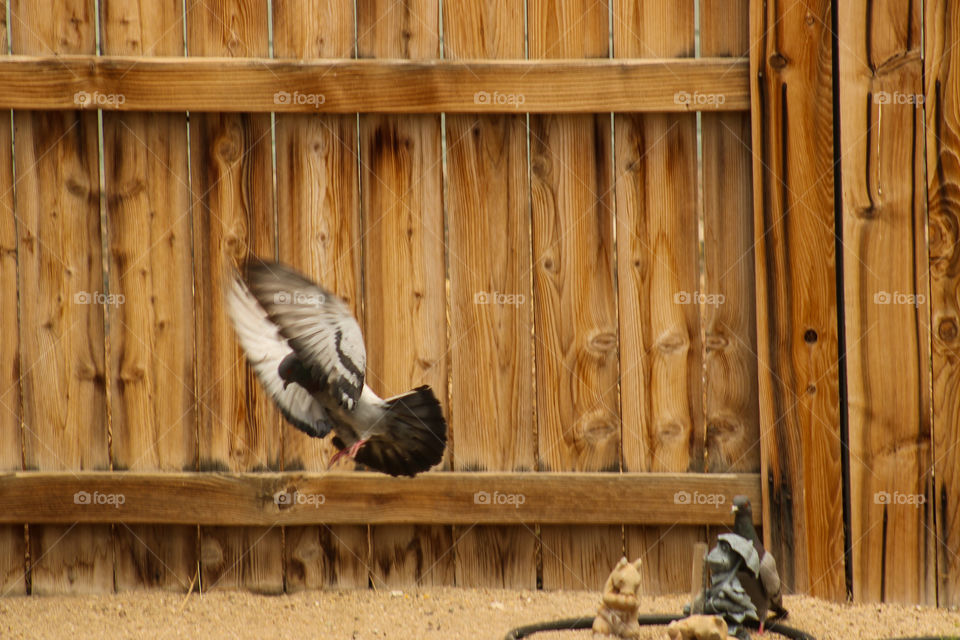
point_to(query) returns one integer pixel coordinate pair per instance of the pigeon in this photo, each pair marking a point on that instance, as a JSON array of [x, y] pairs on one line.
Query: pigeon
[[308, 353], [762, 585]]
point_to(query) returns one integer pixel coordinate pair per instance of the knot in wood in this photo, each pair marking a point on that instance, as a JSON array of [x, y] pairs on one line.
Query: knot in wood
[[673, 341], [602, 341], [777, 61], [947, 329]]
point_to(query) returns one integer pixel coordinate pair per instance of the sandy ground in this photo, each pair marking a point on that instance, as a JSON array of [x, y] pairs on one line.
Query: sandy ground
[[429, 614]]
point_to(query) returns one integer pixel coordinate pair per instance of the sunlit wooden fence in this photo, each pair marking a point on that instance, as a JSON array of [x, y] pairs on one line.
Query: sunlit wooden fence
[[651, 254]]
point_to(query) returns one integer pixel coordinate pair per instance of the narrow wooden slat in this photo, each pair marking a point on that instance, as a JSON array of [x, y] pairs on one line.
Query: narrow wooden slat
[[657, 247], [367, 497], [318, 222], [403, 266], [792, 117], [575, 314], [370, 86], [730, 358], [231, 167], [941, 97], [885, 290], [62, 338], [12, 541], [491, 298], [147, 183]]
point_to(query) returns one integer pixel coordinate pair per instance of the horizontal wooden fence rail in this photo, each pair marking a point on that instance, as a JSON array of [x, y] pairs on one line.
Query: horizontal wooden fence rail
[[374, 86], [366, 498]]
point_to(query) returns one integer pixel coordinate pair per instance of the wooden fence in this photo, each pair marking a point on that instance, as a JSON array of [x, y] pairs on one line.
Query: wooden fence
[[653, 254]]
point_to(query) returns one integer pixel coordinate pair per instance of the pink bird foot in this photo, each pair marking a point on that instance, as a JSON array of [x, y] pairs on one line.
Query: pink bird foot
[[350, 452]]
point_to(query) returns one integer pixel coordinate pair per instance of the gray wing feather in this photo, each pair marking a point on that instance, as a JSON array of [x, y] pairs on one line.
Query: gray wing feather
[[317, 325], [768, 574], [265, 348]]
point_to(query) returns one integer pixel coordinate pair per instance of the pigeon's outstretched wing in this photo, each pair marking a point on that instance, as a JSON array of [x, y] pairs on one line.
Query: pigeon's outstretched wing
[[317, 325], [265, 349]]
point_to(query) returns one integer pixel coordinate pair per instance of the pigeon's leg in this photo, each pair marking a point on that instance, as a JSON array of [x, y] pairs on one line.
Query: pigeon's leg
[[761, 627], [349, 452]]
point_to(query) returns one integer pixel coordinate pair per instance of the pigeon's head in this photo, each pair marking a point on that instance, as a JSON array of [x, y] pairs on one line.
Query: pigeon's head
[[291, 369], [741, 504]]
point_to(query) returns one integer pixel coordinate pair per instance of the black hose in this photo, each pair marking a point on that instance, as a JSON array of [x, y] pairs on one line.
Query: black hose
[[572, 624]]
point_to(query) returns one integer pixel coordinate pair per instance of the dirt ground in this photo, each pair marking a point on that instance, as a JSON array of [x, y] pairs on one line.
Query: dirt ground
[[428, 614]]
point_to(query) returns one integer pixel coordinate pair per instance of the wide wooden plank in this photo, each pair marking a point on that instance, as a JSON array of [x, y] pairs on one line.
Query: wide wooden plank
[[338, 497], [793, 186], [575, 316], [233, 218], [318, 223], [61, 314], [370, 86], [405, 326], [491, 301], [153, 422], [885, 292], [661, 366], [729, 303], [942, 108], [12, 541]]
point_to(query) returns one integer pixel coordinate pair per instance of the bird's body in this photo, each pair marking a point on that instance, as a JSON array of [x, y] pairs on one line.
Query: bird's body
[[307, 351], [763, 586]]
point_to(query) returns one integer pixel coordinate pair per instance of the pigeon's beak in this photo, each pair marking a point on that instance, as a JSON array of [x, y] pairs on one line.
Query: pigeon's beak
[[286, 383], [733, 508]]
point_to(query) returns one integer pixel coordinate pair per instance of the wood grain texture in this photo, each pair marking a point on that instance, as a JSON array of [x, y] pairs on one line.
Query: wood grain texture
[[12, 540], [886, 289], [792, 122], [941, 95], [371, 86], [658, 276], [318, 222], [729, 313], [574, 294], [491, 300], [403, 264], [153, 418], [62, 329], [234, 499], [231, 167]]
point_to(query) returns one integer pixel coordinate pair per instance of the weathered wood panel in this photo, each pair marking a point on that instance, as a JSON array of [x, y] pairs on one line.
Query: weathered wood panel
[[942, 107], [403, 264], [491, 301], [12, 541], [729, 310], [147, 182], [658, 275], [885, 292], [793, 186], [318, 222], [369, 497], [371, 86], [61, 309], [233, 217], [575, 313]]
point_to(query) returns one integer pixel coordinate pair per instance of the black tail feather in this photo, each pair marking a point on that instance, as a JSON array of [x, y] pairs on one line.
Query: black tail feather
[[415, 437]]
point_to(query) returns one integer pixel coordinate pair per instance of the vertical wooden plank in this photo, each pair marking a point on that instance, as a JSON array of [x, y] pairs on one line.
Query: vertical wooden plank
[[318, 222], [792, 121], [661, 364], [151, 274], [942, 95], [491, 299], [12, 545], [729, 311], [574, 294], [62, 341], [231, 166], [885, 292], [403, 264]]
